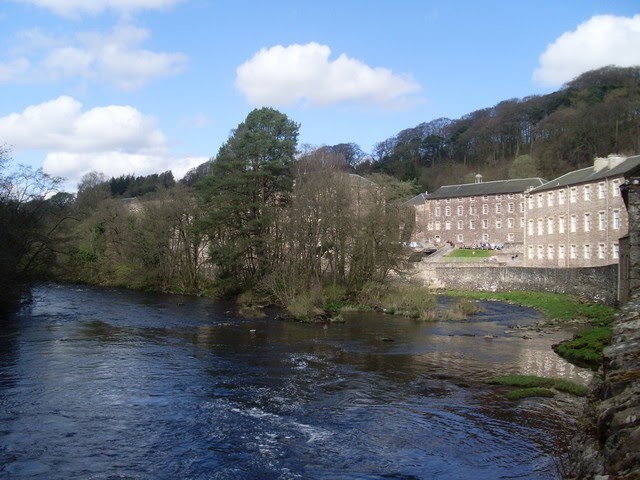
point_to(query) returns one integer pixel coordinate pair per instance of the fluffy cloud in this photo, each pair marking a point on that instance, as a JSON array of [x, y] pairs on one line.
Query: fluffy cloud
[[113, 139], [116, 57], [282, 76], [600, 41], [73, 8]]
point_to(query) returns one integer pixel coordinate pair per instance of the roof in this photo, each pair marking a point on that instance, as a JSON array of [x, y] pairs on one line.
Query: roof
[[589, 174], [417, 200], [495, 187]]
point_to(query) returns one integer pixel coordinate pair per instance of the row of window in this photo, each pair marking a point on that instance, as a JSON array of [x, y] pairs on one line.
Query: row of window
[[511, 208], [573, 223], [602, 252], [539, 199], [511, 223], [484, 198], [485, 237]]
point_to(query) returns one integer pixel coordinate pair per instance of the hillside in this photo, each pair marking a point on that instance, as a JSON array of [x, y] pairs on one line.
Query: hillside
[[596, 114]]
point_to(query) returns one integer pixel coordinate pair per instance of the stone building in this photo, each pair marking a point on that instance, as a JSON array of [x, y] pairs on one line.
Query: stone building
[[629, 267], [577, 219], [473, 213]]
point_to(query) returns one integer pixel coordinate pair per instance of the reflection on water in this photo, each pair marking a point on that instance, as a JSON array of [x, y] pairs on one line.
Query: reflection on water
[[99, 383]]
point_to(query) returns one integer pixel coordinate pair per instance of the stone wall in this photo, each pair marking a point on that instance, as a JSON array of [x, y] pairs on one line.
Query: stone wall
[[609, 446], [597, 283]]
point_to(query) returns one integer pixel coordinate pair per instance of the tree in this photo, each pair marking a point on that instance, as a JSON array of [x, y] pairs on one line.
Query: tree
[[25, 235], [249, 185]]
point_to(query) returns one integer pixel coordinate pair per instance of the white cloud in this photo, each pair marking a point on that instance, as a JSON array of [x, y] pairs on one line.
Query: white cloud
[[600, 41], [73, 8], [282, 76], [115, 140], [116, 57]]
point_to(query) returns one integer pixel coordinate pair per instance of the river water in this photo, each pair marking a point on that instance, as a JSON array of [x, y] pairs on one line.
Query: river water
[[109, 384]]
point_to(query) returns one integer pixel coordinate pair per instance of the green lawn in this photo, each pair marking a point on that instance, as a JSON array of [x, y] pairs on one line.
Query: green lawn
[[464, 253]]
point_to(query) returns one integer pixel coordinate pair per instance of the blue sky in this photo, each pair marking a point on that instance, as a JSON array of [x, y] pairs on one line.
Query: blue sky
[[142, 86]]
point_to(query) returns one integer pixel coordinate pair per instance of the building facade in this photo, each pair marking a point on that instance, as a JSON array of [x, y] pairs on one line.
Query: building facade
[[577, 219], [473, 214]]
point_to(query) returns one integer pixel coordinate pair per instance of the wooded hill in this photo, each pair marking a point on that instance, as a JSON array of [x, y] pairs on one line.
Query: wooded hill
[[596, 114]]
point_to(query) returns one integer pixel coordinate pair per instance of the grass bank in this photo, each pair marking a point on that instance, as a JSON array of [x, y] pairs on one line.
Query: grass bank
[[584, 350], [469, 253], [531, 386]]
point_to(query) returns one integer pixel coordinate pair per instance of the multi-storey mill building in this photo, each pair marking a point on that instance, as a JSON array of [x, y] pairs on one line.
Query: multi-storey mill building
[[577, 219]]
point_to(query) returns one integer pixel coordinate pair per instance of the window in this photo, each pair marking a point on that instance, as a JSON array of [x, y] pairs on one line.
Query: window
[[498, 223], [485, 197], [511, 208], [573, 195], [472, 225], [530, 228], [561, 197], [540, 252], [573, 251], [511, 237], [601, 190], [511, 223], [521, 207], [522, 222], [460, 224], [602, 251], [437, 211], [587, 222], [530, 252], [447, 211], [615, 188], [472, 199], [459, 210], [550, 199], [460, 238], [602, 221], [560, 224], [447, 225], [485, 209], [539, 200], [429, 226], [472, 209], [550, 225], [540, 227], [587, 251], [485, 223], [498, 208], [485, 237], [574, 224], [459, 199], [561, 252], [498, 197], [530, 201], [510, 196], [550, 252], [616, 220], [437, 226], [447, 200], [615, 251], [587, 193]]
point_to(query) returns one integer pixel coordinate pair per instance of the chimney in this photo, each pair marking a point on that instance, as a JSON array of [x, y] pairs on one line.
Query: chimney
[[600, 164], [478, 178], [615, 160], [612, 161]]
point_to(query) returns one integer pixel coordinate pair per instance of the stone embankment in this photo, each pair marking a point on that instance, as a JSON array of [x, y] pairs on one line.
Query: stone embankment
[[609, 447]]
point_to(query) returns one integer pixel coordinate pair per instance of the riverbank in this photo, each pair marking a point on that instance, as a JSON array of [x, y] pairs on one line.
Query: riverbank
[[609, 445]]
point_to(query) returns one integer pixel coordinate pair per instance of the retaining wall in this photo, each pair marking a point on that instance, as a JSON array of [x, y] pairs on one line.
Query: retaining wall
[[597, 283]]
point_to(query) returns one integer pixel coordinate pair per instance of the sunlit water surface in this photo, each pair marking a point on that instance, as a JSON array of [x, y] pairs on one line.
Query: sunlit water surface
[[109, 384]]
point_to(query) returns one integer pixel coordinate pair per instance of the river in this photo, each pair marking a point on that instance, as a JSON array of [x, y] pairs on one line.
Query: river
[[110, 384]]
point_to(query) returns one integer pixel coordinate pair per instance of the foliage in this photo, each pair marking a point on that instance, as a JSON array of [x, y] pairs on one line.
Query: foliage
[[244, 196], [540, 135], [28, 221], [462, 310], [406, 300], [586, 349]]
